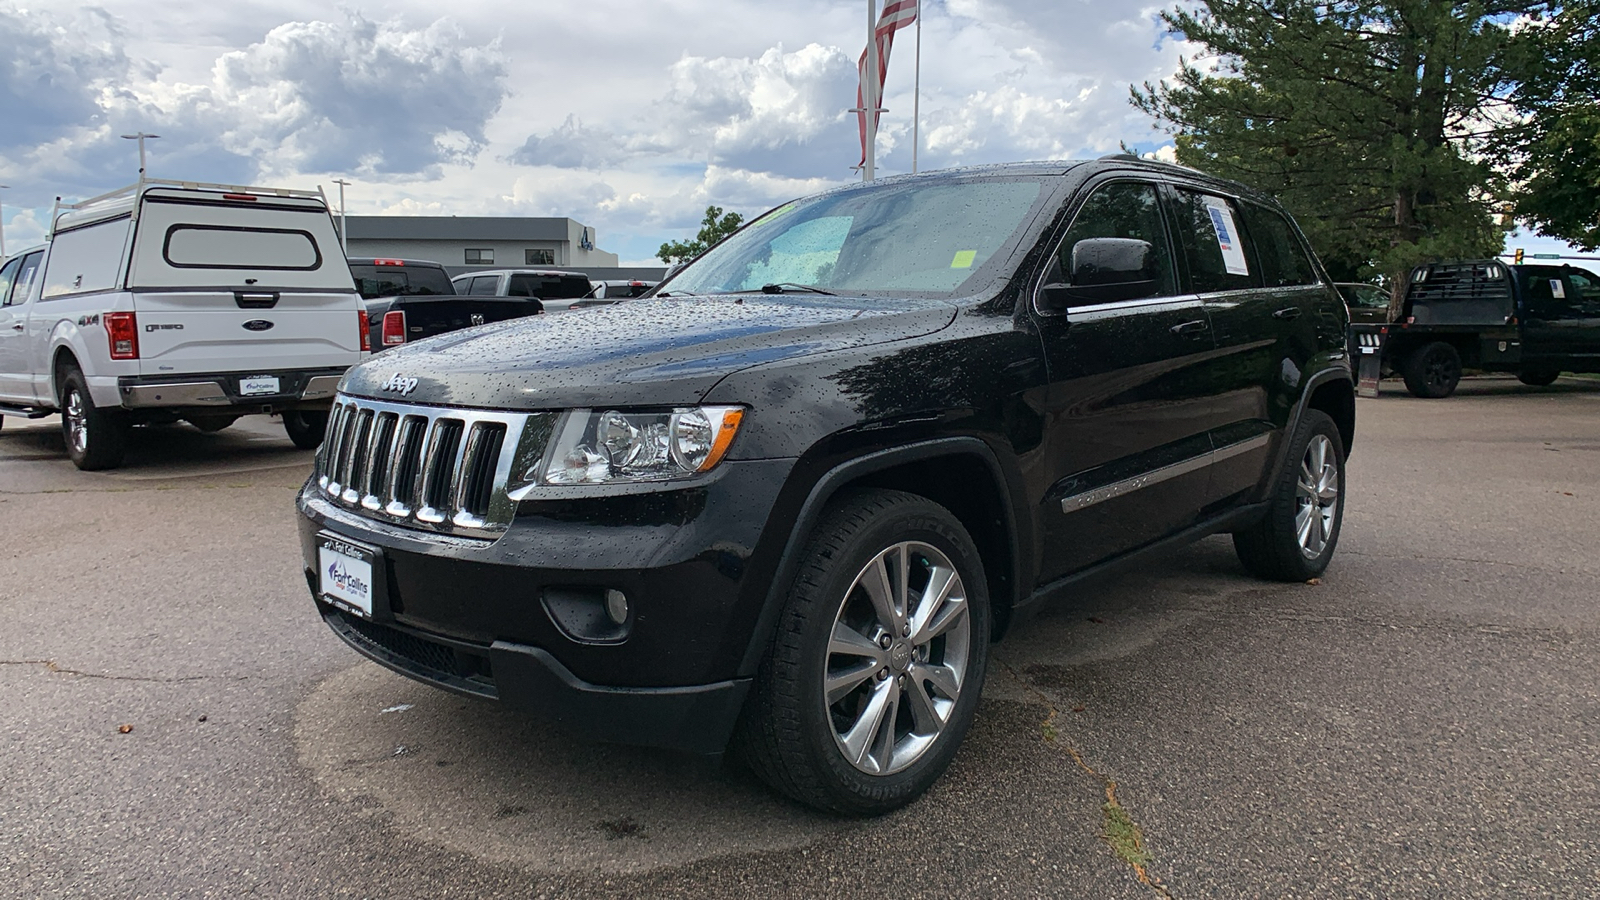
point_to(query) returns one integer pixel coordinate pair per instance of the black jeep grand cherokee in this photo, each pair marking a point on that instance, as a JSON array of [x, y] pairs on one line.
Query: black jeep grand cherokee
[[788, 502]]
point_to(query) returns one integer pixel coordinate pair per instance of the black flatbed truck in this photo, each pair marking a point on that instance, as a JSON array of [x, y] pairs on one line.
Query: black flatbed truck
[[1533, 321]]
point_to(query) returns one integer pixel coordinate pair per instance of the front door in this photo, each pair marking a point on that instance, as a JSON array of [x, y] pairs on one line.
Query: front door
[[1128, 420], [16, 282]]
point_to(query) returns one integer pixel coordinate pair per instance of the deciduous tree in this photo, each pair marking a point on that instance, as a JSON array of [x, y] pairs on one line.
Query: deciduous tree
[[713, 228]]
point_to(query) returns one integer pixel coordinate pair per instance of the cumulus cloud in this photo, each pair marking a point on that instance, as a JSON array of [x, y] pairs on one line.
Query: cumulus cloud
[[377, 100], [55, 74], [571, 146], [782, 112], [374, 98]]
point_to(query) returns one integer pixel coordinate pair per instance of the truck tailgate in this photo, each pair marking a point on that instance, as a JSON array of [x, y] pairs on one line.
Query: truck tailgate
[[243, 331], [428, 316]]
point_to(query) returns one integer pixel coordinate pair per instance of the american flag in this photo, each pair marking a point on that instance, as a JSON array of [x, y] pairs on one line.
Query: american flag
[[897, 14]]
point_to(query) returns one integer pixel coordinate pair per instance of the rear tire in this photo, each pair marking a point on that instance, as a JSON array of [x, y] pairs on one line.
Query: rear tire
[[1433, 370], [305, 427], [1538, 377], [1296, 538], [875, 669], [96, 438]]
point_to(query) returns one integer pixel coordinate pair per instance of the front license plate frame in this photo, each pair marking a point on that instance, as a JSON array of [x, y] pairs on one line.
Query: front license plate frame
[[349, 574], [260, 386]]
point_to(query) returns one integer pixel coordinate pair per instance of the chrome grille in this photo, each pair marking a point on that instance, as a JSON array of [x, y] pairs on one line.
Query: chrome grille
[[430, 468]]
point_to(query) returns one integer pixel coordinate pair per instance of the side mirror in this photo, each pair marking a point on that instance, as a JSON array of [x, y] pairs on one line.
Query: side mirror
[[1104, 270]]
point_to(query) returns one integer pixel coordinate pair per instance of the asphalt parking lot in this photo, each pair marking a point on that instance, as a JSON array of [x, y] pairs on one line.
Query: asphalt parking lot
[[1423, 722]]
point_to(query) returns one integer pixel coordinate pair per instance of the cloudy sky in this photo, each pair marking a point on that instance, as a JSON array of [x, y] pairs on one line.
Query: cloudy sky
[[629, 116]]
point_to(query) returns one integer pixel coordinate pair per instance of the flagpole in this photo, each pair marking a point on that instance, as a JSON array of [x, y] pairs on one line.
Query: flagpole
[[870, 106], [916, 97]]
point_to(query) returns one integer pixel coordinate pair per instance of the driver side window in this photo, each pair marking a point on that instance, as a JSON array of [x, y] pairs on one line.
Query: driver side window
[[1123, 209], [8, 276]]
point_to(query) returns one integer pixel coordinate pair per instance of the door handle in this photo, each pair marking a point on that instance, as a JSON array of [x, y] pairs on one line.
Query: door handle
[[1288, 312], [18, 326], [1190, 328]]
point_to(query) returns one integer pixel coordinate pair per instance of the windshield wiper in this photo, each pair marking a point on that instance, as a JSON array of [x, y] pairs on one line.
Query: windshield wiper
[[782, 286]]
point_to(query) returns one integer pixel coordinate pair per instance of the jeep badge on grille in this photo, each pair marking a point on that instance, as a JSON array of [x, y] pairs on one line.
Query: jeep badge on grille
[[399, 384]]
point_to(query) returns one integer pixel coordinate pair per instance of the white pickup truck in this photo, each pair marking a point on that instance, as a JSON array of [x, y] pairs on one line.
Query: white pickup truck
[[173, 300]]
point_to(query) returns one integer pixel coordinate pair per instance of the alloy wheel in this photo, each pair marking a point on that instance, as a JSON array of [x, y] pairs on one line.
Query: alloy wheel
[[897, 657], [77, 421], [1317, 496]]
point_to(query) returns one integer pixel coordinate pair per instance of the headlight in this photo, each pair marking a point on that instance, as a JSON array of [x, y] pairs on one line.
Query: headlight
[[616, 447]]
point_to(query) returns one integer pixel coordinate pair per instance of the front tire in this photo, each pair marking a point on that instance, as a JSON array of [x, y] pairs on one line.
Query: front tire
[[305, 427], [875, 671], [96, 438], [1296, 538], [1433, 371], [1538, 377]]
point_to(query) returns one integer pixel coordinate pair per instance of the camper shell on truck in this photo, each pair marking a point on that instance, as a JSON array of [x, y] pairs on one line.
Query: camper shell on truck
[[1534, 321], [170, 300]]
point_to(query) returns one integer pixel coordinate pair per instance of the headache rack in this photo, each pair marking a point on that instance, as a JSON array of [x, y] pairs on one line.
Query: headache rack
[[432, 468], [126, 199], [1477, 292]]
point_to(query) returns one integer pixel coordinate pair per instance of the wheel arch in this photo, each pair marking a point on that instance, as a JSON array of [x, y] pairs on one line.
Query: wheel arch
[[962, 474], [63, 357], [1335, 396]]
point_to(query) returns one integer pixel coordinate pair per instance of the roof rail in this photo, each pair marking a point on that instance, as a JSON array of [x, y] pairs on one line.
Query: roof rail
[[146, 183]]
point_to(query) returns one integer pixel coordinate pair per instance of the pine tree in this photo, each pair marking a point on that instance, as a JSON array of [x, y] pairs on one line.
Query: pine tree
[[1371, 120]]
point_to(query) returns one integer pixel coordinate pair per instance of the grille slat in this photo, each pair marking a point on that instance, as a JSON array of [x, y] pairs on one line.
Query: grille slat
[[439, 469], [375, 483], [435, 469]]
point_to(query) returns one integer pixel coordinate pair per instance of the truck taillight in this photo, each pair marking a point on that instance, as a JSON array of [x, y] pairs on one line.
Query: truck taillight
[[122, 329], [366, 335], [394, 327]]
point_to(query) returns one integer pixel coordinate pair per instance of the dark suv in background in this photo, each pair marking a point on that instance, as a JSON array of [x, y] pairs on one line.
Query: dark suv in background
[[789, 500]]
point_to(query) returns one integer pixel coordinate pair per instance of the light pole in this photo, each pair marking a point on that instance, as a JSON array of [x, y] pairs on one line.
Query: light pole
[[141, 137], [3, 224], [344, 240]]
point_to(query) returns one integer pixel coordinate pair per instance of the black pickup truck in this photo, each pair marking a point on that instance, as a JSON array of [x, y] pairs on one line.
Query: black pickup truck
[[411, 299], [1534, 321]]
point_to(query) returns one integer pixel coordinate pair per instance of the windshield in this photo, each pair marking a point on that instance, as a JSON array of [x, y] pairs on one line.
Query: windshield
[[400, 281], [919, 238]]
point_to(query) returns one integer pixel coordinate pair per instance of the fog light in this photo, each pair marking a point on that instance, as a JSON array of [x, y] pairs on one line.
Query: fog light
[[617, 606]]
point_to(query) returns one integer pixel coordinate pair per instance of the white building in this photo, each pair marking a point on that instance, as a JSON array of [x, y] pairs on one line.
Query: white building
[[464, 243]]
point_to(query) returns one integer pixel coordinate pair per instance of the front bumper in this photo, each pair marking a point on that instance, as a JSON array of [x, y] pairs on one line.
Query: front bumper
[[220, 391], [476, 616]]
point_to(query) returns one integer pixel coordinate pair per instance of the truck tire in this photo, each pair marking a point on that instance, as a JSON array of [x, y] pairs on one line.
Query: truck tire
[[305, 427], [1296, 538], [96, 438], [1432, 370], [875, 669], [1538, 377]]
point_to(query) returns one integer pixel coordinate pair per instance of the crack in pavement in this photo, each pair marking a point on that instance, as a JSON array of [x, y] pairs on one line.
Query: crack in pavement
[[1120, 832], [51, 667]]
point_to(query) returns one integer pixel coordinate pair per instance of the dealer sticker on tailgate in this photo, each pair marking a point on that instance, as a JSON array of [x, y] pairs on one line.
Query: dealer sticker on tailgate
[[344, 572]]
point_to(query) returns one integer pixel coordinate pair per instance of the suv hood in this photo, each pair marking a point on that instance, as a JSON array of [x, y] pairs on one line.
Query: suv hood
[[642, 352]]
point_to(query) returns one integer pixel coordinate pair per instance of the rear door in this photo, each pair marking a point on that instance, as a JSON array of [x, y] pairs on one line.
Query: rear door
[[223, 284], [1267, 335]]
